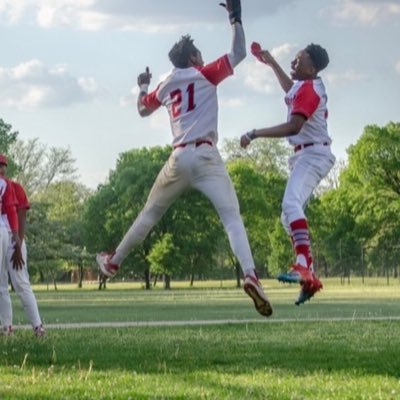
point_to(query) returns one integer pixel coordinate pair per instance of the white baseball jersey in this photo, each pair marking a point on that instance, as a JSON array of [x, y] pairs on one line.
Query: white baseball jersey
[[309, 99], [190, 96], [3, 217]]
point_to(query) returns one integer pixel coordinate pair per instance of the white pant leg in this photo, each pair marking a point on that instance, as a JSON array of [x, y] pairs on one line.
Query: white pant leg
[[22, 287], [168, 186], [308, 167], [5, 300], [210, 177]]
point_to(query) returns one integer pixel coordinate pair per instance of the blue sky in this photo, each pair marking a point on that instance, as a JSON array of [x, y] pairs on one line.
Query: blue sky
[[68, 68]]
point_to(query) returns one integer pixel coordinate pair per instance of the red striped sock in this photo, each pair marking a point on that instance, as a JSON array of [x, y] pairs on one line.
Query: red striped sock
[[301, 239]]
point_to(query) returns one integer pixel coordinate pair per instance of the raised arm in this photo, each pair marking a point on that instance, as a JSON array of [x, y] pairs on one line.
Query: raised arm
[[143, 81], [238, 50], [265, 57]]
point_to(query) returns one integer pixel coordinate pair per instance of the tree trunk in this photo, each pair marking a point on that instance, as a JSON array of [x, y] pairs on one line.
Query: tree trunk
[[155, 280], [191, 279], [80, 274], [53, 277], [147, 279], [238, 272], [167, 281]]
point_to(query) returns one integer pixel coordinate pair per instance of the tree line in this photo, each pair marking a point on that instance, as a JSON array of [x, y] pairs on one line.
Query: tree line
[[353, 216]]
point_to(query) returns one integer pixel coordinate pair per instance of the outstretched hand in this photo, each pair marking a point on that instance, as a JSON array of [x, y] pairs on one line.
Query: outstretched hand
[[263, 56], [145, 77]]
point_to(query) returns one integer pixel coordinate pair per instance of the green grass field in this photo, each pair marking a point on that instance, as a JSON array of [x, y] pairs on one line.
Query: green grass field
[[344, 344]]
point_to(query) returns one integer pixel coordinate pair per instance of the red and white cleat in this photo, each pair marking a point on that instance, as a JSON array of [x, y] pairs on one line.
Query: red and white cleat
[[308, 290], [8, 330], [106, 267], [253, 288]]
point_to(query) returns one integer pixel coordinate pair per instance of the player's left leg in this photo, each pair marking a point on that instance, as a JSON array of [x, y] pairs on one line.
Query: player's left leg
[[308, 168], [5, 300], [217, 186], [168, 186], [21, 283]]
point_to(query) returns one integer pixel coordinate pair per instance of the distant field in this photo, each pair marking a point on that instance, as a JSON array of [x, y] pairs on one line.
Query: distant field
[[314, 356]]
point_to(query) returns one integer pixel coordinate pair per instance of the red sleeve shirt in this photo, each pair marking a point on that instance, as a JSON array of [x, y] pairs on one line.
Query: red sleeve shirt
[[9, 205], [306, 100], [218, 70]]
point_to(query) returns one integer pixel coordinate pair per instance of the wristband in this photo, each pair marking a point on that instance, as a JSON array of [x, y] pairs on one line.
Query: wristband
[[144, 87], [251, 135]]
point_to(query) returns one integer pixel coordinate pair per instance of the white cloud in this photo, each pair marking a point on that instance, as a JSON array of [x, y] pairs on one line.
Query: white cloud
[[366, 12], [347, 76], [138, 15], [32, 84], [232, 102]]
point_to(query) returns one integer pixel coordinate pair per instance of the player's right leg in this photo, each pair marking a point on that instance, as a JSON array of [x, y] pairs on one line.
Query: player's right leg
[[23, 289], [167, 187], [217, 186]]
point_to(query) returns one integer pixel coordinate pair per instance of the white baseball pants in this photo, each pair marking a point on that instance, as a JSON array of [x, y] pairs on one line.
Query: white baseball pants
[[307, 168], [21, 284], [199, 167], [5, 302]]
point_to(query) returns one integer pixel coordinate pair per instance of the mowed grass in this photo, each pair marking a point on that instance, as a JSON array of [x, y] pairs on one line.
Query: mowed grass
[[304, 352]]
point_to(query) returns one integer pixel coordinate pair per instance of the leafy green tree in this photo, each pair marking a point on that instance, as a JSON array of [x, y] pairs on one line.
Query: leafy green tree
[[164, 258], [40, 166], [260, 195], [268, 156], [55, 228], [7, 138]]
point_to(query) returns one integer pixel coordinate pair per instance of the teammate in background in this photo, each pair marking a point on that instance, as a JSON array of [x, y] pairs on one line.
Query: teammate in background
[[189, 94], [306, 130], [18, 271]]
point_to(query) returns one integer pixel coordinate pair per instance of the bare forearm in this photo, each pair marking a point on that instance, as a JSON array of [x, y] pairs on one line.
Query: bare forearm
[[278, 131], [283, 79], [238, 50], [290, 128], [142, 110], [22, 223]]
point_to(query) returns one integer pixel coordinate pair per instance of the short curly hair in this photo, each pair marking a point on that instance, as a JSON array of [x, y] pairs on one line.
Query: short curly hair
[[319, 56], [181, 52]]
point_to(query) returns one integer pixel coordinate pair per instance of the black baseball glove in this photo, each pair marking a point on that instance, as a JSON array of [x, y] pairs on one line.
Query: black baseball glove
[[234, 9]]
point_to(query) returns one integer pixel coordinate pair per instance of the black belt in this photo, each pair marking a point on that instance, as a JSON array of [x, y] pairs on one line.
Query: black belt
[[197, 144], [299, 147]]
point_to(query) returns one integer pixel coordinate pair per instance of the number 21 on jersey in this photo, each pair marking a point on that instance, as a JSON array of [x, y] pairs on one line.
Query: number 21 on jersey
[[178, 100]]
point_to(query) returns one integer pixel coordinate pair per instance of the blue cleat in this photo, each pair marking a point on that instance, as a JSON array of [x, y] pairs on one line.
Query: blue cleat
[[297, 274]]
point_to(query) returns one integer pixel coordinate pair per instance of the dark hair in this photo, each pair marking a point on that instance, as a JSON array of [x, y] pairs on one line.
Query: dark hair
[[181, 52], [318, 55]]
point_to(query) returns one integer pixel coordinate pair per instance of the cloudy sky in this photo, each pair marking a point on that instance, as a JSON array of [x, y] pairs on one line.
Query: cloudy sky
[[68, 68]]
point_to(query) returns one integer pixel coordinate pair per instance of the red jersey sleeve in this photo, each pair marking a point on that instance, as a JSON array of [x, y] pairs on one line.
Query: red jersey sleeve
[[10, 206], [218, 70], [22, 199], [306, 100], [150, 100]]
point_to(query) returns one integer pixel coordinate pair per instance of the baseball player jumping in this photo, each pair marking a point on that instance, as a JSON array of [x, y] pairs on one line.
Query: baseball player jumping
[[306, 130], [189, 94]]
